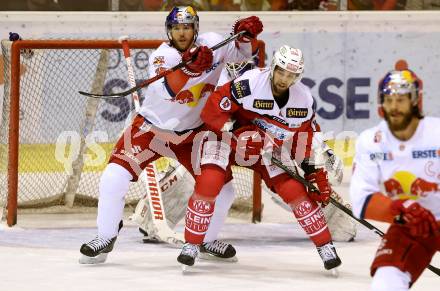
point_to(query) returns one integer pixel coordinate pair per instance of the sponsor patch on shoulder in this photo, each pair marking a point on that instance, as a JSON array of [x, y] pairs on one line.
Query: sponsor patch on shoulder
[[240, 89], [296, 112], [159, 61], [263, 104], [225, 104]]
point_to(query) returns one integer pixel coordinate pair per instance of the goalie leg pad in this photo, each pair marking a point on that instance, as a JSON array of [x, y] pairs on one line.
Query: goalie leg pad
[[177, 186], [342, 227], [216, 153]]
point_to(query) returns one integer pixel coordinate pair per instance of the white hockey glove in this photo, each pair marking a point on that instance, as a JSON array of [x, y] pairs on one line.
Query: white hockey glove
[[326, 158], [334, 167]]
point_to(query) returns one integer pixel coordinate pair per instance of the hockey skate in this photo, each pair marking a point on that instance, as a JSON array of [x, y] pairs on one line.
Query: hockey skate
[[218, 250], [188, 255], [96, 250], [329, 257]]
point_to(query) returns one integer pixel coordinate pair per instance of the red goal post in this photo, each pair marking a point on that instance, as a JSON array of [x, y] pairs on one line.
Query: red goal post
[[42, 109]]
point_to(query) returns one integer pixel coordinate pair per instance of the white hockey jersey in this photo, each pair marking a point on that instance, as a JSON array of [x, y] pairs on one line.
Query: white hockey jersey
[[249, 100], [401, 169], [179, 111]]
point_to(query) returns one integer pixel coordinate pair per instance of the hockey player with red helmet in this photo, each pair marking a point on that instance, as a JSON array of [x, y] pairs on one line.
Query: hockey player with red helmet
[[169, 119], [273, 110], [400, 154]]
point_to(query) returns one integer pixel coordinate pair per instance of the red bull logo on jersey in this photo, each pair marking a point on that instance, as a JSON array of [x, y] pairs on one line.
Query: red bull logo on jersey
[[192, 95], [426, 154], [159, 61], [406, 185]]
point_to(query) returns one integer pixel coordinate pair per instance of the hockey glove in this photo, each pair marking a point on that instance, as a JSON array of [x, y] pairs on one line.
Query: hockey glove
[[247, 141], [419, 220], [199, 58], [319, 177], [252, 25]]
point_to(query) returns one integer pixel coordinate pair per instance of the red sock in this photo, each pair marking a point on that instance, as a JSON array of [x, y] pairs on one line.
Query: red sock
[[309, 215], [198, 216], [311, 218], [201, 203]]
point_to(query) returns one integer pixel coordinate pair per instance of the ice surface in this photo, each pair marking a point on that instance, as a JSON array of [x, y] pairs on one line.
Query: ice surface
[[41, 254], [271, 257]]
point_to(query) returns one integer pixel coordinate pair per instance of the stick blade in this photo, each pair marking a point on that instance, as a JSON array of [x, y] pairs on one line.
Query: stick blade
[[93, 95]]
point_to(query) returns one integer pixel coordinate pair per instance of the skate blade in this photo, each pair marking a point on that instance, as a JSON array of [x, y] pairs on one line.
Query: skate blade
[[334, 272], [186, 269], [209, 257], [99, 259], [175, 242]]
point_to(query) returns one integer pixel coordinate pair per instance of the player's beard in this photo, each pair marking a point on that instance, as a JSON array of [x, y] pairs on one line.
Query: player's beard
[[403, 122], [182, 44]]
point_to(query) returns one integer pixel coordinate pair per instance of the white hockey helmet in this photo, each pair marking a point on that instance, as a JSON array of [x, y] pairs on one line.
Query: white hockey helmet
[[289, 59]]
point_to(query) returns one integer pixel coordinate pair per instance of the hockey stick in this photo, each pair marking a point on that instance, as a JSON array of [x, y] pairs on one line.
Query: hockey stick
[[158, 76], [342, 207], [149, 175], [131, 80]]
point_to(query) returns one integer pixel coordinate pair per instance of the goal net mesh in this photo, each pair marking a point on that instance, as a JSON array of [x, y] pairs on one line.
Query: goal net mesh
[[65, 139]]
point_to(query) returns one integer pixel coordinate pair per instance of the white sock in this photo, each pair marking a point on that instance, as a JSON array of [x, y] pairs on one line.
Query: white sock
[[390, 278], [222, 205], [113, 186]]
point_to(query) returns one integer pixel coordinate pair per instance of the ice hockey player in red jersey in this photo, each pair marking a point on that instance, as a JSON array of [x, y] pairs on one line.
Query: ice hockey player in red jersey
[[169, 119], [273, 109], [400, 154]]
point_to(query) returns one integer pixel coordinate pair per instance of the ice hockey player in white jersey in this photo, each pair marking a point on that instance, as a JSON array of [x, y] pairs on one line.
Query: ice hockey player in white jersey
[[402, 156], [169, 118], [273, 102]]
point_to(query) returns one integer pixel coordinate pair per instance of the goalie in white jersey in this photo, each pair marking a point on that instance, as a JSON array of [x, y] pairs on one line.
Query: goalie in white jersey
[[169, 118], [271, 101], [402, 155]]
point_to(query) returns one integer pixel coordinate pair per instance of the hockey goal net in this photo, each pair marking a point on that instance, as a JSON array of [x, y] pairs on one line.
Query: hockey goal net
[[54, 142]]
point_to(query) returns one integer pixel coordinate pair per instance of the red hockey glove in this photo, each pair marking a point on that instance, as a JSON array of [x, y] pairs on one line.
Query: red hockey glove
[[419, 220], [247, 141], [320, 178], [201, 60], [252, 25], [420, 187]]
